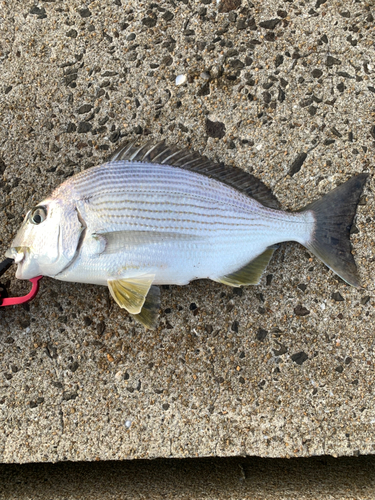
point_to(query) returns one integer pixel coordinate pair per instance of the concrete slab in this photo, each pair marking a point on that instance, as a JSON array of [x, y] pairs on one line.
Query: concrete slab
[[227, 372]]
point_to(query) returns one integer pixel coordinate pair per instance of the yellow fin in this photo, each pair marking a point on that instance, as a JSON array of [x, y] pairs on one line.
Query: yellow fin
[[130, 293], [150, 310], [251, 273]]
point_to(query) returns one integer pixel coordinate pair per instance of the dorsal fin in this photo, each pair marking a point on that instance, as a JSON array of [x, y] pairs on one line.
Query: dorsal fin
[[189, 160]]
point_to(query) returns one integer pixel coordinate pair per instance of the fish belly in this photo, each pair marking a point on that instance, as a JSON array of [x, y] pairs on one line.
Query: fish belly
[[175, 224]]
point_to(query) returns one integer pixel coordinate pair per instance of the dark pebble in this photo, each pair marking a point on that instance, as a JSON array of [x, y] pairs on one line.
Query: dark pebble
[[327, 142], [270, 24], [266, 97], [85, 108], [204, 90], [302, 286], [192, 306], [234, 326], [299, 357], [280, 95], [100, 327], [335, 132], [365, 299], [8, 376], [344, 74], [215, 129], [269, 279], [297, 163], [346, 14], [319, 3], [238, 291], [84, 12], [241, 380], [306, 102], [36, 11], [149, 22], [337, 297], [339, 369], [341, 87], [72, 34], [8, 89], [228, 5], [317, 73], [281, 351], [84, 127], [165, 406], [182, 127], [87, 321], [73, 367], [372, 131], [279, 60], [301, 310], [282, 13], [348, 360], [312, 110], [33, 404], [9, 340], [168, 16], [331, 61], [261, 334], [67, 395], [70, 78], [270, 37]]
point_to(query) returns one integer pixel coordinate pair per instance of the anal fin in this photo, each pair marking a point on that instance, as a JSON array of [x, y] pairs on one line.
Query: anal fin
[[150, 310], [251, 273], [130, 293]]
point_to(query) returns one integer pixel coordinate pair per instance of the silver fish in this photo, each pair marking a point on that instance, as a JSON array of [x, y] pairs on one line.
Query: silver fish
[[158, 215]]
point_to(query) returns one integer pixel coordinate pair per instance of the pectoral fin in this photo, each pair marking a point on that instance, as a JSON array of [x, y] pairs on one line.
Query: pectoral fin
[[150, 309], [251, 273], [130, 293]]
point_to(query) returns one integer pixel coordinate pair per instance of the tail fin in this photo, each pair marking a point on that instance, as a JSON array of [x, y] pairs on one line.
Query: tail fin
[[334, 214]]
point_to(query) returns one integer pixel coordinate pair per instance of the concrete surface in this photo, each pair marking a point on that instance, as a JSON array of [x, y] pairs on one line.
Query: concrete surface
[[227, 372], [322, 478]]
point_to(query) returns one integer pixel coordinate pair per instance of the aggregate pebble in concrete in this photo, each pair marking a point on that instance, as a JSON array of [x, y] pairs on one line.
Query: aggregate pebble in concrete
[[284, 91]]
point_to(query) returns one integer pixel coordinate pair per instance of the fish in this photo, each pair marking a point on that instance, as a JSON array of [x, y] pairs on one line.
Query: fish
[[155, 215]]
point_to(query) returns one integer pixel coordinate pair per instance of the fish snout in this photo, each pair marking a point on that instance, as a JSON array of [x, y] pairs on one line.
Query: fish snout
[[16, 253]]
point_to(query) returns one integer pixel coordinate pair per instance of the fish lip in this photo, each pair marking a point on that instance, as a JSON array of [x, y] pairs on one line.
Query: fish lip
[[18, 254]]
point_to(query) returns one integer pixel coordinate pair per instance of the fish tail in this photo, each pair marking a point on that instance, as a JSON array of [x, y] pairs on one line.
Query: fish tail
[[330, 239]]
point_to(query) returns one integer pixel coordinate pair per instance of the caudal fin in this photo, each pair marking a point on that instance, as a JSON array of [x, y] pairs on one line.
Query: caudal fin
[[334, 214]]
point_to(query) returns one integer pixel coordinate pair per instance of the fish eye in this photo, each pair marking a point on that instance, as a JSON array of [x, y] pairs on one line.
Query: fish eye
[[38, 215]]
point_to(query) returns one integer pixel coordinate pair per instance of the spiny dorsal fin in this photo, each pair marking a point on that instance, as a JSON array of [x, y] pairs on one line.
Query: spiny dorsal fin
[[251, 273], [189, 160], [150, 310], [130, 293]]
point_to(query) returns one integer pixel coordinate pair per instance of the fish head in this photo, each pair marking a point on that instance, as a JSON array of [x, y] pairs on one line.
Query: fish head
[[47, 240]]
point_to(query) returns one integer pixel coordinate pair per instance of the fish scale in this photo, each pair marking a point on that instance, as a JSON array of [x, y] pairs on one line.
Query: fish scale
[[155, 215]]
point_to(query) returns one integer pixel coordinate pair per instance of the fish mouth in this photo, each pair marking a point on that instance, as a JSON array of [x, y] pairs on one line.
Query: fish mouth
[[18, 254]]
